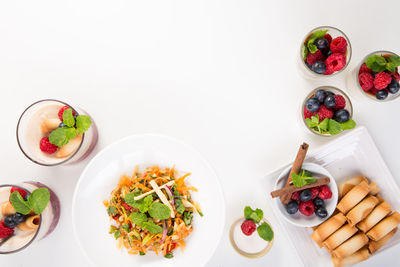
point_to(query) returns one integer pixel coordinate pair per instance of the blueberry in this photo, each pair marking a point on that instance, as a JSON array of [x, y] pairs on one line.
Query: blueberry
[[322, 44], [312, 104], [329, 93], [61, 125], [9, 221], [321, 212], [393, 87], [318, 67], [341, 115], [292, 207], [18, 218], [381, 94], [330, 101], [305, 195], [320, 95], [318, 202]]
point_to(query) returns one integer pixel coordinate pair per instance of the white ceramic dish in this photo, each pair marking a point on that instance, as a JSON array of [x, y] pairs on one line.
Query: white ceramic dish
[[299, 219], [90, 220], [347, 156]]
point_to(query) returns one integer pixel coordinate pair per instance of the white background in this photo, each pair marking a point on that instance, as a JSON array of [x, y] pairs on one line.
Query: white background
[[219, 75]]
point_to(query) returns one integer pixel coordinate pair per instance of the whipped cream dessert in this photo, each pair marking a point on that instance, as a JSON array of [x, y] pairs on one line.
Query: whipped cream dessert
[[39, 121], [252, 244], [30, 227]]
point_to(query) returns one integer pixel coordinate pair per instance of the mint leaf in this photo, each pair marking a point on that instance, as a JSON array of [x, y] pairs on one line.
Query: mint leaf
[[68, 118], [395, 60], [19, 204], [304, 52], [370, 61], [303, 178], [142, 204], [315, 119], [83, 123], [138, 218], [376, 63], [180, 208], [334, 127], [312, 47], [391, 67], [314, 36], [265, 232], [61, 136], [350, 124], [39, 199], [323, 125], [112, 211], [126, 227], [381, 61], [169, 255], [159, 211], [309, 123], [254, 215], [117, 234], [152, 227], [188, 217]]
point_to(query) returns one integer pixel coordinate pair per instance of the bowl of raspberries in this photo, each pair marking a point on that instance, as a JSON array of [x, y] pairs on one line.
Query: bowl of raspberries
[[327, 111], [325, 51], [378, 76], [310, 206]]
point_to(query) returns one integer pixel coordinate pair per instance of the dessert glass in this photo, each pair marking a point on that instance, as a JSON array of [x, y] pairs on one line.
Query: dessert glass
[[334, 90], [353, 84], [29, 133], [46, 223], [302, 66], [248, 246]]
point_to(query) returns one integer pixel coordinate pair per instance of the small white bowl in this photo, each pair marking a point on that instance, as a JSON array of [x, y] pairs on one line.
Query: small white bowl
[[298, 219]]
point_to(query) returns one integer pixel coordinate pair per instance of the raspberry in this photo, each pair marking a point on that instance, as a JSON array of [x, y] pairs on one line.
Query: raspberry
[[396, 76], [364, 68], [325, 192], [307, 113], [61, 112], [307, 208], [46, 146], [340, 102], [315, 192], [373, 91], [336, 61], [312, 58], [366, 81], [22, 192], [329, 69], [295, 196], [5, 231], [382, 79], [339, 45], [324, 112], [248, 227], [328, 37]]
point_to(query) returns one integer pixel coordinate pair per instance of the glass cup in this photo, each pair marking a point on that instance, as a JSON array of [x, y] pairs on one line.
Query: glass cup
[[302, 66], [31, 128], [334, 90], [251, 246], [34, 227], [354, 87]]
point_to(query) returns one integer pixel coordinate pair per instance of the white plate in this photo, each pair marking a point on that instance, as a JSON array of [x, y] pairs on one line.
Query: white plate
[[90, 220], [299, 219], [352, 154]]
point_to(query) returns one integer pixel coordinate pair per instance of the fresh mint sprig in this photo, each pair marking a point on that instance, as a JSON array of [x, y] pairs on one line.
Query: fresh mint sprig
[[378, 63], [302, 178], [329, 126], [309, 46], [263, 229], [36, 202]]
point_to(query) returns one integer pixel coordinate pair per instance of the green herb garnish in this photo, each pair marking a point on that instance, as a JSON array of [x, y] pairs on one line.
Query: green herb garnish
[[302, 179], [254, 215], [111, 210], [37, 201], [141, 204], [312, 48], [138, 218], [159, 211], [329, 126], [169, 255], [263, 229], [265, 232], [188, 217], [378, 63], [180, 208], [152, 227]]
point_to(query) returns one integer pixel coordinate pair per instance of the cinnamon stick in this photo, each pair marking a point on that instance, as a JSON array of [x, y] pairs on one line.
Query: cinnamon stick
[[296, 167], [290, 189]]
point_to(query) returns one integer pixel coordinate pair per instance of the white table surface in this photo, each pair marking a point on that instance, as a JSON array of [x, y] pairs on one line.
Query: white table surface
[[219, 75]]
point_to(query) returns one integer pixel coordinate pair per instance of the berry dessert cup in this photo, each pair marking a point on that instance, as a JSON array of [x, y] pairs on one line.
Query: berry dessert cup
[[327, 111], [251, 236], [28, 213], [325, 51], [51, 132], [376, 76]]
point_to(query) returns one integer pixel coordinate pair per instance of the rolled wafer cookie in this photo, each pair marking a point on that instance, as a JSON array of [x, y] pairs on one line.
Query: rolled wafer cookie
[[361, 210], [30, 223], [377, 214], [373, 246], [357, 257], [327, 228], [353, 197], [7, 208], [384, 227], [345, 187], [373, 188], [340, 236], [350, 246]]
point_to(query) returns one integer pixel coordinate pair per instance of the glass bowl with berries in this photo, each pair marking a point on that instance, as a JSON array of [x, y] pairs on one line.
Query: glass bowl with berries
[[325, 51], [312, 195], [28, 213], [251, 235], [51, 132], [327, 111], [377, 76]]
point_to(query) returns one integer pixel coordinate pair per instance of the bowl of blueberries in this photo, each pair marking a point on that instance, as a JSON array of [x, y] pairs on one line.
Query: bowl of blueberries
[[310, 206]]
